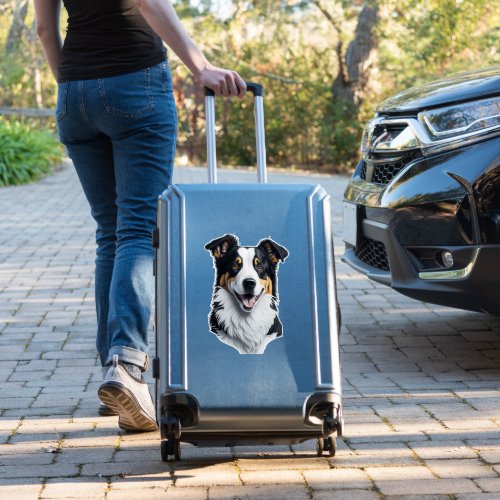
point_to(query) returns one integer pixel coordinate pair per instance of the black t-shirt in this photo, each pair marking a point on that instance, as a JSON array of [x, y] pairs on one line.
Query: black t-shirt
[[107, 38]]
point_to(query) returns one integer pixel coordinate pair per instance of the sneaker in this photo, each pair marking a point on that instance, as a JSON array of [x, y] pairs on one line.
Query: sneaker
[[106, 411], [129, 397]]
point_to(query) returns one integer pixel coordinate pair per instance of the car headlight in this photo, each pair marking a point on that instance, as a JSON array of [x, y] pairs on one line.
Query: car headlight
[[435, 130], [462, 119]]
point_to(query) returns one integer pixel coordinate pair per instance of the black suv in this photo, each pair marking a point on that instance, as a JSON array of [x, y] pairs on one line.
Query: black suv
[[422, 209]]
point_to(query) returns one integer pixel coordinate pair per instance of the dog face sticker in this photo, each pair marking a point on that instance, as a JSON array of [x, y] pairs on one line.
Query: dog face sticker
[[245, 302]]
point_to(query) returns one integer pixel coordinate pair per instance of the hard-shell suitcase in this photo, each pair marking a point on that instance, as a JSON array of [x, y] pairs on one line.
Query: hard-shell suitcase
[[239, 360]]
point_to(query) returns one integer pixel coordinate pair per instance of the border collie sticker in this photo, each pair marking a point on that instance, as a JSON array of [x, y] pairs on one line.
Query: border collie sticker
[[245, 302]]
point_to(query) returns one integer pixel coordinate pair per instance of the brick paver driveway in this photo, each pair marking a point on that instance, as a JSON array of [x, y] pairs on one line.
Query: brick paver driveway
[[422, 406]]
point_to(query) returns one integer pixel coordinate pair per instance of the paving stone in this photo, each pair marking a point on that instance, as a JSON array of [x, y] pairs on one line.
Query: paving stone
[[11, 391], [346, 495], [468, 468], [388, 438], [470, 437], [478, 496], [35, 365], [272, 477], [74, 488], [40, 425], [57, 399], [399, 473], [490, 484], [187, 493], [490, 456], [442, 450], [258, 452], [394, 449], [416, 497], [338, 479], [471, 425], [210, 475], [38, 471], [416, 425], [22, 459], [91, 455], [361, 461], [25, 489], [149, 493], [45, 439], [427, 487], [282, 464], [9, 424], [420, 382], [157, 469], [266, 492], [91, 439], [195, 455], [138, 483], [15, 403]]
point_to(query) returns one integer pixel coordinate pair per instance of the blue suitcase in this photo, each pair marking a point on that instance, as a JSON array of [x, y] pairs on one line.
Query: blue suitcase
[[240, 360]]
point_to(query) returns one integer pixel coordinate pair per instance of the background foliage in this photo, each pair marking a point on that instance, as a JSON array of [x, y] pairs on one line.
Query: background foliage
[[25, 152], [325, 65]]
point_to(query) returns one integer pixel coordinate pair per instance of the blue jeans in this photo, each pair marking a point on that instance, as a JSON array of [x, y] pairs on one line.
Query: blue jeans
[[120, 132]]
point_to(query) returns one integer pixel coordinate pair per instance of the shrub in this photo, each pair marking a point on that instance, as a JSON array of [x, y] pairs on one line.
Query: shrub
[[26, 153]]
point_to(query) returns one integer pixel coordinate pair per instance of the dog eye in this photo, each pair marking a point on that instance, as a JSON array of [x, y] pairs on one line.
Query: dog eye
[[236, 266]]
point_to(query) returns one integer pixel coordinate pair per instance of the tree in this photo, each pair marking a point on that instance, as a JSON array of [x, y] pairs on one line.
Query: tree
[[426, 40], [325, 65], [17, 26], [355, 63]]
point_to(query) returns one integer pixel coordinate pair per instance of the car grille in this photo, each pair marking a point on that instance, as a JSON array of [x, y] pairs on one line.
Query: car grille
[[373, 253], [383, 173]]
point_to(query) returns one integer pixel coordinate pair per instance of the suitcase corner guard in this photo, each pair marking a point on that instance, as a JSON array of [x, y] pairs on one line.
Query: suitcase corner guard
[[324, 408]]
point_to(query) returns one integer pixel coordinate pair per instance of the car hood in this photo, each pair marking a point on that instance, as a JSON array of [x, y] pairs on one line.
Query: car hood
[[456, 88]]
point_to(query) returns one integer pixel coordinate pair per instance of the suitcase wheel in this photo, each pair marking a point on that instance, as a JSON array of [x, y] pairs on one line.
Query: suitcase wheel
[[169, 448], [328, 445], [329, 425], [172, 445]]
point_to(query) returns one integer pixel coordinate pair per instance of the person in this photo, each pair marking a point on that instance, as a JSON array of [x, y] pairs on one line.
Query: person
[[116, 117]]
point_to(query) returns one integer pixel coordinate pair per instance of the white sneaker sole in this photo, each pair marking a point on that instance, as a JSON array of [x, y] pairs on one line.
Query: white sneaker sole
[[131, 416]]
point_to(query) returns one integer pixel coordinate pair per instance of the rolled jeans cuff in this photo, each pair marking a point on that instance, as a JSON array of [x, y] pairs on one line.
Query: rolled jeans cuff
[[129, 355]]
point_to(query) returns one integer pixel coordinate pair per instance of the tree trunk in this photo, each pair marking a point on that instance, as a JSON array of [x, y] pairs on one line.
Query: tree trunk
[[352, 82], [37, 62], [17, 26]]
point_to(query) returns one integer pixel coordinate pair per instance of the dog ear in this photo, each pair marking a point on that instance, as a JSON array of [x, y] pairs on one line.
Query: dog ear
[[274, 252], [220, 247]]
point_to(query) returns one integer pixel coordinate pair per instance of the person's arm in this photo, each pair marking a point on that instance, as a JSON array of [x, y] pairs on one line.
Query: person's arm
[[47, 13], [161, 16]]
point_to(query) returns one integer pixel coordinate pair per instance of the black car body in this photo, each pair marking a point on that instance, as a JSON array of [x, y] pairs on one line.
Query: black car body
[[422, 209]]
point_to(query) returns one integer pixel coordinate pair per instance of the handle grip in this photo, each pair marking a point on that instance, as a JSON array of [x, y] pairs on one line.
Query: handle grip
[[258, 91], [255, 88]]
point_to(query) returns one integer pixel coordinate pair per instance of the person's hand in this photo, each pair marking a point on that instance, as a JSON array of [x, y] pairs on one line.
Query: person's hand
[[223, 82]]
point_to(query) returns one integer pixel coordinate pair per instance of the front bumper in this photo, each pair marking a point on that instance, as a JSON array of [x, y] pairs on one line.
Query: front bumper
[[432, 205], [478, 291]]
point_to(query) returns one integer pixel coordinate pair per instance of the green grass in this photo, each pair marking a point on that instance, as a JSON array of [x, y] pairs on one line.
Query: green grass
[[26, 153]]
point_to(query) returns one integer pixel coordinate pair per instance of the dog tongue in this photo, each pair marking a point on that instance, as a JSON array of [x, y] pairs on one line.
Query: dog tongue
[[248, 300]]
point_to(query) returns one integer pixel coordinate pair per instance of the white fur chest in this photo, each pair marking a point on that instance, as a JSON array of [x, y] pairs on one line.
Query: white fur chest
[[246, 332]]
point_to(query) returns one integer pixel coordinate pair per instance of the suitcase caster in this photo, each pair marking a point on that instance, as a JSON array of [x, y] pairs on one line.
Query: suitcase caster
[[333, 423], [328, 426], [169, 448], [328, 445], [328, 442], [172, 445]]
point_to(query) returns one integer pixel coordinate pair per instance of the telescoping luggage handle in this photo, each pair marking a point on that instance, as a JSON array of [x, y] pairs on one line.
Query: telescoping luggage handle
[[260, 137]]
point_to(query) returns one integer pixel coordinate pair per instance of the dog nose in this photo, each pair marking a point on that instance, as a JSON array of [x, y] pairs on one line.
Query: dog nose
[[249, 284]]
